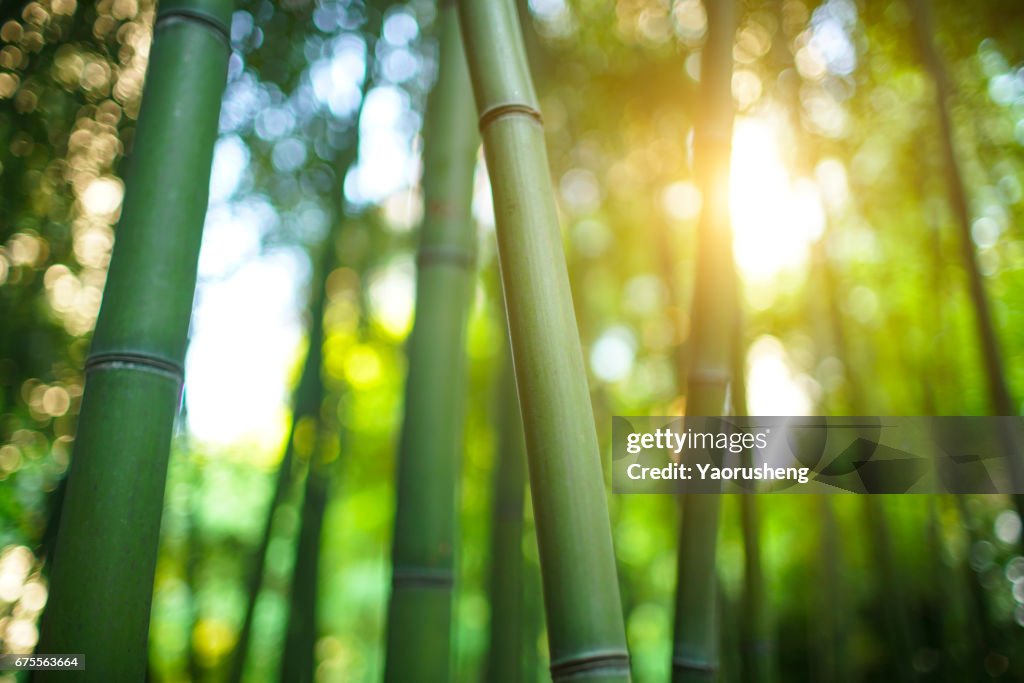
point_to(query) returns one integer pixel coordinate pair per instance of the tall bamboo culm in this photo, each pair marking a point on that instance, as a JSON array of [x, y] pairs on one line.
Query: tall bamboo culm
[[305, 404], [581, 594], [311, 444], [999, 392], [695, 646], [419, 614], [508, 622], [105, 557]]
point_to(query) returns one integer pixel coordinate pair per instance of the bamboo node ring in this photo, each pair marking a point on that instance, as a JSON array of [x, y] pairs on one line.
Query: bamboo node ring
[[135, 361], [445, 255], [708, 377], [614, 660], [511, 109], [686, 664], [415, 577], [204, 20]]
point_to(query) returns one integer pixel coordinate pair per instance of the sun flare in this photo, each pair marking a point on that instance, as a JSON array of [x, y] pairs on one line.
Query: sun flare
[[775, 216]]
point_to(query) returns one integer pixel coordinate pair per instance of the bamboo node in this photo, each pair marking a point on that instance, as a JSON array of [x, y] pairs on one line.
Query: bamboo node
[[611, 661], [189, 15], [422, 577], [445, 255], [708, 377], [131, 360], [499, 111], [681, 663]]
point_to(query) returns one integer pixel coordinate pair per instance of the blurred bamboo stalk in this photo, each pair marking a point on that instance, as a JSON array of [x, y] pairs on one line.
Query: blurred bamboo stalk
[[902, 641], [311, 442], [830, 604], [430, 452], [584, 613], [505, 648], [298, 660], [757, 643], [105, 557], [897, 623], [306, 403], [695, 647], [998, 389]]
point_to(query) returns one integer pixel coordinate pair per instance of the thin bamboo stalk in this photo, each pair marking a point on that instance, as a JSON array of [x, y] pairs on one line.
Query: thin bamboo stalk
[[755, 627], [505, 649], [105, 558], [584, 615], [898, 629], [419, 617], [306, 406], [695, 647], [756, 641], [999, 394], [297, 659], [832, 626]]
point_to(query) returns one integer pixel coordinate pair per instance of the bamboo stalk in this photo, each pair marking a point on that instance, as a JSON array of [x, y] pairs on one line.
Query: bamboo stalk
[[695, 646], [999, 394], [755, 626], [897, 627], [833, 663], [584, 614], [901, 644], [306, 406], [105, 557], [419, 616], [756, 641], [505, 649], [298, 660]]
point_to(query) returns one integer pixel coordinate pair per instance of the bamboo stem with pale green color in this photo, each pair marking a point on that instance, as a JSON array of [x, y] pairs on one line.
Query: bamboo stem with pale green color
[[695, 646], [424, 558], [505, 648], [105, 557], [584, 613]]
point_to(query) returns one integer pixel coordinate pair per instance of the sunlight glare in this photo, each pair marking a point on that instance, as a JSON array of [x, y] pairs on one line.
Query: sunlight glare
[[775, 217], [773, 386]]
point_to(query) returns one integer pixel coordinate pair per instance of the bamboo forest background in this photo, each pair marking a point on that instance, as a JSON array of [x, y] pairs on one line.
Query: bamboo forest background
[[854, 296]]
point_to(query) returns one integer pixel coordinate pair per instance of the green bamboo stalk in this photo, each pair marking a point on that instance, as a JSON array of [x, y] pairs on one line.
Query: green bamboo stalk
[[298, 661], [898, 628], [901, 641], [306, 405], [105, 557], [756, 642], [981, 634], [419, 617], [505, 649], [755, 626], [695, 646], [832, 624], [1000, 398], [584, 613]]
